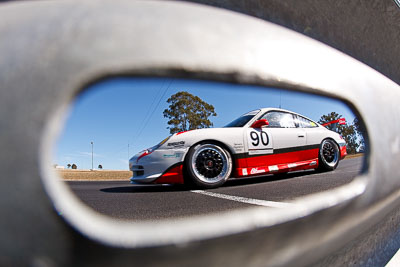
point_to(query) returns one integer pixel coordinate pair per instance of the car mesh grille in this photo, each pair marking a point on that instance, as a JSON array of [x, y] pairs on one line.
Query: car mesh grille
[[137, 170]]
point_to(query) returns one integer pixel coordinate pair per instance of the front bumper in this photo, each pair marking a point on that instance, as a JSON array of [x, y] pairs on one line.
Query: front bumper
[[149, 168], [142, 179]]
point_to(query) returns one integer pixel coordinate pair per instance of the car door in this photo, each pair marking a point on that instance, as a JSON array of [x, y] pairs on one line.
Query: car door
[[315, 135], [279, 142]]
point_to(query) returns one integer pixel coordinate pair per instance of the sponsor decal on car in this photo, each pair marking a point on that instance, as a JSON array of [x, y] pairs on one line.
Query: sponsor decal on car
[[261, 152], [172, 156], [273, 168], [176, 144], [238, 147], [166, 156], [256, 170]]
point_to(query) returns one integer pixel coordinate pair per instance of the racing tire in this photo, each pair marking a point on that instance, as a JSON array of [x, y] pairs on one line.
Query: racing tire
[[208, 165], [328, 155]]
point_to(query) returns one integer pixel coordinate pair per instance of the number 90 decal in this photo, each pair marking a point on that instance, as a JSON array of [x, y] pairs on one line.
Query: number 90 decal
[[258, 139]]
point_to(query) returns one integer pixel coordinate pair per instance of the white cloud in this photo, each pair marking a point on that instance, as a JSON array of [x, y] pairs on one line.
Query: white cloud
[[89, 154]]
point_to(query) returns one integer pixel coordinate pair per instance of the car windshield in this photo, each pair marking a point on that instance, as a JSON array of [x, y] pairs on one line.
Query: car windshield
[[242, 120]]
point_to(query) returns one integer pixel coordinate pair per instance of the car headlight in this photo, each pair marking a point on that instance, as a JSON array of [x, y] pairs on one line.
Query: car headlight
[[150, 150]]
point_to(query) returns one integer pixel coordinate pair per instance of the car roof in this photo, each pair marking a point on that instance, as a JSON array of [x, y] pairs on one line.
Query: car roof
[[263, 110]]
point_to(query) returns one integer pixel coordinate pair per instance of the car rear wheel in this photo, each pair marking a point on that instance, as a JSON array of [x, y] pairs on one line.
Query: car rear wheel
[[208, 165], [328, 155]]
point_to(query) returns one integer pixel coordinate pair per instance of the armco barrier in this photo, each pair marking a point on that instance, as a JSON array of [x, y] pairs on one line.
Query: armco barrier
[[51, 50]]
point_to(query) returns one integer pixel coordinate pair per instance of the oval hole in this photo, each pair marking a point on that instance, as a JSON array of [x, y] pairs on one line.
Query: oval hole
[[271, 166]]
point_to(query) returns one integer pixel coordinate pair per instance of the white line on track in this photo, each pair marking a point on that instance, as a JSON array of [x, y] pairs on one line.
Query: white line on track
[[246, 200]]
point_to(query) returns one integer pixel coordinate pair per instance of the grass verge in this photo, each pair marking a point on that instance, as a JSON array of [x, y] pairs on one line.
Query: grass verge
[[95, 175]]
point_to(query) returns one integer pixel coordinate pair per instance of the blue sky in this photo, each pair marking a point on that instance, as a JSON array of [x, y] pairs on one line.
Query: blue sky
[[122, 111]]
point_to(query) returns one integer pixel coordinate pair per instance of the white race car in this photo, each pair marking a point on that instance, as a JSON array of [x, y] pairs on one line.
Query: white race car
[[260, 142]]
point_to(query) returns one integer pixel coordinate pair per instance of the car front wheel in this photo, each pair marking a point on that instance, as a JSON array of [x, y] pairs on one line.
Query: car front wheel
[[208, 165]]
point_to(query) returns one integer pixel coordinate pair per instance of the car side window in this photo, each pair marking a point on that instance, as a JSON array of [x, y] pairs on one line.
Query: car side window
[[278, 119], [306, 123]]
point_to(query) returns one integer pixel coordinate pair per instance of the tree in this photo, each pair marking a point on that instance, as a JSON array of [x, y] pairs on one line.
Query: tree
[[360, 133], [188, 112], [100, 167], [69, 166], [74, 166], [348, 132]]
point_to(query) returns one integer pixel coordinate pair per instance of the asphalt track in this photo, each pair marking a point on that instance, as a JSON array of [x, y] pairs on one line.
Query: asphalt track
[[122, 200]]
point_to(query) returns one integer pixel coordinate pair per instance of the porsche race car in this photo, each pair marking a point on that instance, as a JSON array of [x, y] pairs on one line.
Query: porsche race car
[[260, 142]]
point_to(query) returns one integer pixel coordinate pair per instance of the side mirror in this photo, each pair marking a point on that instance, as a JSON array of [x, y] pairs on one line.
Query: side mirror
[[260, 123]]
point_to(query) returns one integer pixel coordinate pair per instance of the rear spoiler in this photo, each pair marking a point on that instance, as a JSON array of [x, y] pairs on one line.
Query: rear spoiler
[[341, 121]]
